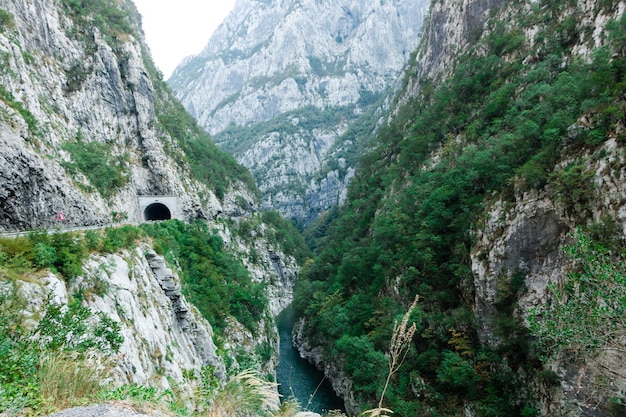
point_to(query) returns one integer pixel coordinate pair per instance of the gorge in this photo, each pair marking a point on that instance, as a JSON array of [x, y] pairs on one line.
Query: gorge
[[478, 168]]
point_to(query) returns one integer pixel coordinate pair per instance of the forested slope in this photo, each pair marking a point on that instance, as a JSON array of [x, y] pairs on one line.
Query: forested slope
[[530, 105]]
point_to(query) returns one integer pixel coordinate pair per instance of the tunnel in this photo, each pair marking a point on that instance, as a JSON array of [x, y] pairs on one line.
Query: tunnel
[[157, 211]]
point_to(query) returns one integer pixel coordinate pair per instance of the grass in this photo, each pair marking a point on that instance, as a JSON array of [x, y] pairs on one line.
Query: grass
[[244, 394], [66, 380]]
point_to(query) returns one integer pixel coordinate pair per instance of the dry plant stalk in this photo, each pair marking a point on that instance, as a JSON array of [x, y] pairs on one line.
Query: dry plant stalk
[[377, 412], [398, 349], [244, 393]]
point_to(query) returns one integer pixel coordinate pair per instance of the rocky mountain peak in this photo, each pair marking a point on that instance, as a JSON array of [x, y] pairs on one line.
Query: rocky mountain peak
[[280, 83]]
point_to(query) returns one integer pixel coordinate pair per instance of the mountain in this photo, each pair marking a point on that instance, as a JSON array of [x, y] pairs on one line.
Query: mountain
[[475, 268], [291, 89], [494, 196], [94, 147]]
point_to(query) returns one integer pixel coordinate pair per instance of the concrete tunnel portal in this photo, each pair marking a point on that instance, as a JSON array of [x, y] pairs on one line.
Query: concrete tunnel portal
[[157, 211], [158, 207]]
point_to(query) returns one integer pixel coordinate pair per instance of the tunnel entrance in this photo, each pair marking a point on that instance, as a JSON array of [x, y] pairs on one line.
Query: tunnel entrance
[[157, 211]]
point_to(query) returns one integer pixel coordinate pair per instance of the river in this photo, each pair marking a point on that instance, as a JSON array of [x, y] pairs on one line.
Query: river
[[297, 377]]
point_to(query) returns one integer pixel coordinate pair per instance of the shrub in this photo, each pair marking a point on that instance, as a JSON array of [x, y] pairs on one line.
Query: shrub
[[212, 279], [45, 255], [104, 170], [77, 329], [6, 20], [587, 309], [574, 187], [48, 369]]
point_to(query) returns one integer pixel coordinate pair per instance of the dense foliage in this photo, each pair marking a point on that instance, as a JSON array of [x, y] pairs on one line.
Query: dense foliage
[[213, 279], [587, 313], [407, 228]]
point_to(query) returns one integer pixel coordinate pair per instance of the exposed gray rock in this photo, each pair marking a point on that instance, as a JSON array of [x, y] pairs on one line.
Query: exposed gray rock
[[108, 410], [297, 75], [524, 238], [448, 33], [527, 236], [341, 384], [165, 337], [62, 87]]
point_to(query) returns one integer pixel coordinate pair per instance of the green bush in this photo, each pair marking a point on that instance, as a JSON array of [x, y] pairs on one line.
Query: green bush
[[77, 329], [6, 21], [458, 374], [34, 375], [363, 362], [574, 187], [212, 279], [45, 255], [106, 171], [587, 309]]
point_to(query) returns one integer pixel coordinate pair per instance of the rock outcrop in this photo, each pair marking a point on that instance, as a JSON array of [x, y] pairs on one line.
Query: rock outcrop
[[64, 85], [341, 383], [527, 236], [165, 338]]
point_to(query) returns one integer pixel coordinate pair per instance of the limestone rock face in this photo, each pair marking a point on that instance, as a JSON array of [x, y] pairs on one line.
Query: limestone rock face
[[63, 85], [525, 239], [450, 30], [164, 335], [67, 80], [297, 75], [526, 236], [165, 338], [341, 384]]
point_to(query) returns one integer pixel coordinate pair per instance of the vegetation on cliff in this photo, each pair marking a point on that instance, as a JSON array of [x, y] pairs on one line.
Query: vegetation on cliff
[[509, 111], [42, 353]]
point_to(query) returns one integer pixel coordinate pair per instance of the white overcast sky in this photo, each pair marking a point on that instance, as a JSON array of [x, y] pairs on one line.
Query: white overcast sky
[[179, 28]]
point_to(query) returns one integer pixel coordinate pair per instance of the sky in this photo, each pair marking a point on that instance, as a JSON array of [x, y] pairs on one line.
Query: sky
[[179, 28]]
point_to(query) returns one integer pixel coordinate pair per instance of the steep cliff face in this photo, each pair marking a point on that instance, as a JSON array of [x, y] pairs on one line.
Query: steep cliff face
[[281, 83], [502, 144], [526, 236], [166, 341], [88, 127], [64, 85], [448, 33]]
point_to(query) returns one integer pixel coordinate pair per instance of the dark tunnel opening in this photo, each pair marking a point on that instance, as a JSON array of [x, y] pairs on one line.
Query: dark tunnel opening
[[157, 211]]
